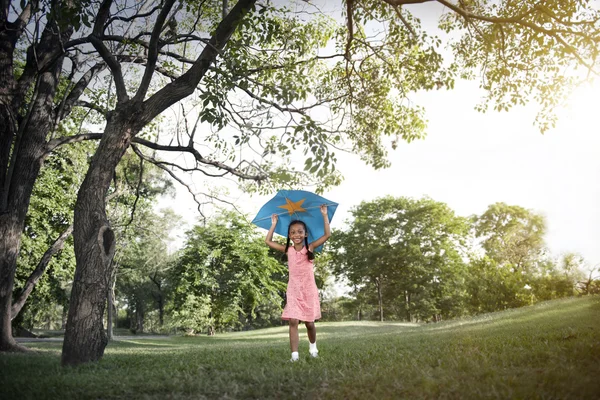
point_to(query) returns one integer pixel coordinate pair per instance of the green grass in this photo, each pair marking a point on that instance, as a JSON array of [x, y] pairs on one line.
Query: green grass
[[547, 351]]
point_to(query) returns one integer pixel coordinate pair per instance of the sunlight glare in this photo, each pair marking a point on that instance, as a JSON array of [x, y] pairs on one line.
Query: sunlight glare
[[582, 106]]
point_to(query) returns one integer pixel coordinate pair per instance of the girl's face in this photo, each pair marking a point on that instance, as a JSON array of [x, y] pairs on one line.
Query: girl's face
[[297, 233]]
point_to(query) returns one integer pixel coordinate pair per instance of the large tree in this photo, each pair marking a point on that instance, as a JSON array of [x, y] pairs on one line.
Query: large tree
[[407, 253], [512, 236], [264, 78]]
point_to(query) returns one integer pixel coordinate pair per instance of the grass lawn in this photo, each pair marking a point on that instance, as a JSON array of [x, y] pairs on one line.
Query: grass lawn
[[547, 351]]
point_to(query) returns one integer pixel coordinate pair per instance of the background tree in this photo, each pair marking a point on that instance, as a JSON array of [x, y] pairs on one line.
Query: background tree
[[143, 268], [590, 284], [513, 240], [560, 279], [46, 242], [408, 252], [224, 276], [512, 235]]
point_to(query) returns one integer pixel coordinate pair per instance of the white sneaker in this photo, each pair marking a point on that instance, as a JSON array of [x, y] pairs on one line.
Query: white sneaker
[[314, 354]]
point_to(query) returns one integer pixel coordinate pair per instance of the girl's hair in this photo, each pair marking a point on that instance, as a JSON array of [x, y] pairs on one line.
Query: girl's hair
[[311, 255]]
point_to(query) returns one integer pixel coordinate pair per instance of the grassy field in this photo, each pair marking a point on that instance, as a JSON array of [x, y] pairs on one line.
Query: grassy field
[[547, 351]]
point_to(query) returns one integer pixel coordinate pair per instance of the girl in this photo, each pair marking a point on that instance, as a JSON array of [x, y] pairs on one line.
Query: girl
[[302, 294]]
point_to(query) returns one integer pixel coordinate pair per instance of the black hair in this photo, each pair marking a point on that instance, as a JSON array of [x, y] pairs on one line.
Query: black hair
[[311, 255]]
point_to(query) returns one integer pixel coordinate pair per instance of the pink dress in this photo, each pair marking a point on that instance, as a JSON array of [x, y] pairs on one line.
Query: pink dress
[[302, 294]]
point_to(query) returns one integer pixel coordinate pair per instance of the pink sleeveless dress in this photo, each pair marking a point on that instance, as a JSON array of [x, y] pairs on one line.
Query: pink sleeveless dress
[[302, 294]]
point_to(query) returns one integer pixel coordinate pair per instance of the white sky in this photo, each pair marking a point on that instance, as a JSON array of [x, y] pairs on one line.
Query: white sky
[[471, 160]]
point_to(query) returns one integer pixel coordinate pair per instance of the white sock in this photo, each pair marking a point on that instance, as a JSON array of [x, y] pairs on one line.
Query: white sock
[[312, 347], [295, 355]]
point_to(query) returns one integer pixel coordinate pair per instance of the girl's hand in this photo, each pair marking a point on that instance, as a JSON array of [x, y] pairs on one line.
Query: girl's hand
[[324, 209], [274, 219]]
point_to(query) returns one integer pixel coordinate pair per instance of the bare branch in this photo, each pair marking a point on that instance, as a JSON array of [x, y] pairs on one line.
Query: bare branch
[[39, 271], [172, 174], [153, 49], [107, 56], [102, 17], [349, 26], [51, 145], [133, 17], [92, 106], [23, 19], [199, 158], [136, 40], [54, 143], [281, 66], [73, 97]]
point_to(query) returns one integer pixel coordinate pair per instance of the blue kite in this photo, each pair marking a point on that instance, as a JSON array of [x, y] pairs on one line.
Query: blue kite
[[292, 205]]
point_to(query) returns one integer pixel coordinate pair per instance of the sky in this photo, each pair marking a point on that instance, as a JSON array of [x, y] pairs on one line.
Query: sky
[[470, 160]]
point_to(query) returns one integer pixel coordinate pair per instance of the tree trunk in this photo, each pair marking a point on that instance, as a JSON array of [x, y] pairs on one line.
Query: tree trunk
[[85, 338], [28, 158], [160, 300], [379, 297], [10, 236], [161, 311], [407, 305], [65, 312], [139, 317], [22, 143], [111, 312]]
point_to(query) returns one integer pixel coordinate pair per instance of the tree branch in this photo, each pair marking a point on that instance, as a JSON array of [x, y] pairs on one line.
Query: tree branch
[[39, 271], [73, 97], [54, 143], [92, 106], [23, 19], [133, 17], [137, 191], [172, 174], [142, 60], [153, 49], [405, 22], [96, 40], [406, 2], [51, 145], [520, 21], [186, 83], [199, 158]]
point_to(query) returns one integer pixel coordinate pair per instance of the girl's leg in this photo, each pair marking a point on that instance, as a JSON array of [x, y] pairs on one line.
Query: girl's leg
[[294, 335], [311, 330]]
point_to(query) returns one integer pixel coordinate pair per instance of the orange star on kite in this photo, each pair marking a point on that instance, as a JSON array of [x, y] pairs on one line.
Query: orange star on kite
[[293, 207]]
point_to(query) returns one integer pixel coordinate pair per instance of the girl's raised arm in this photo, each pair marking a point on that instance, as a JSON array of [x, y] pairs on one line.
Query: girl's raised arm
[[269, 239], [327, 233]]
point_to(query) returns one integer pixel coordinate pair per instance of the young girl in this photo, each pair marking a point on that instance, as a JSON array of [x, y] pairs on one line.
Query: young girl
[[302, 294]]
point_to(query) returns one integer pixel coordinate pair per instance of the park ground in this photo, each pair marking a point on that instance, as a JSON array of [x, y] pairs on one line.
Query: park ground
[[550, 350]]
